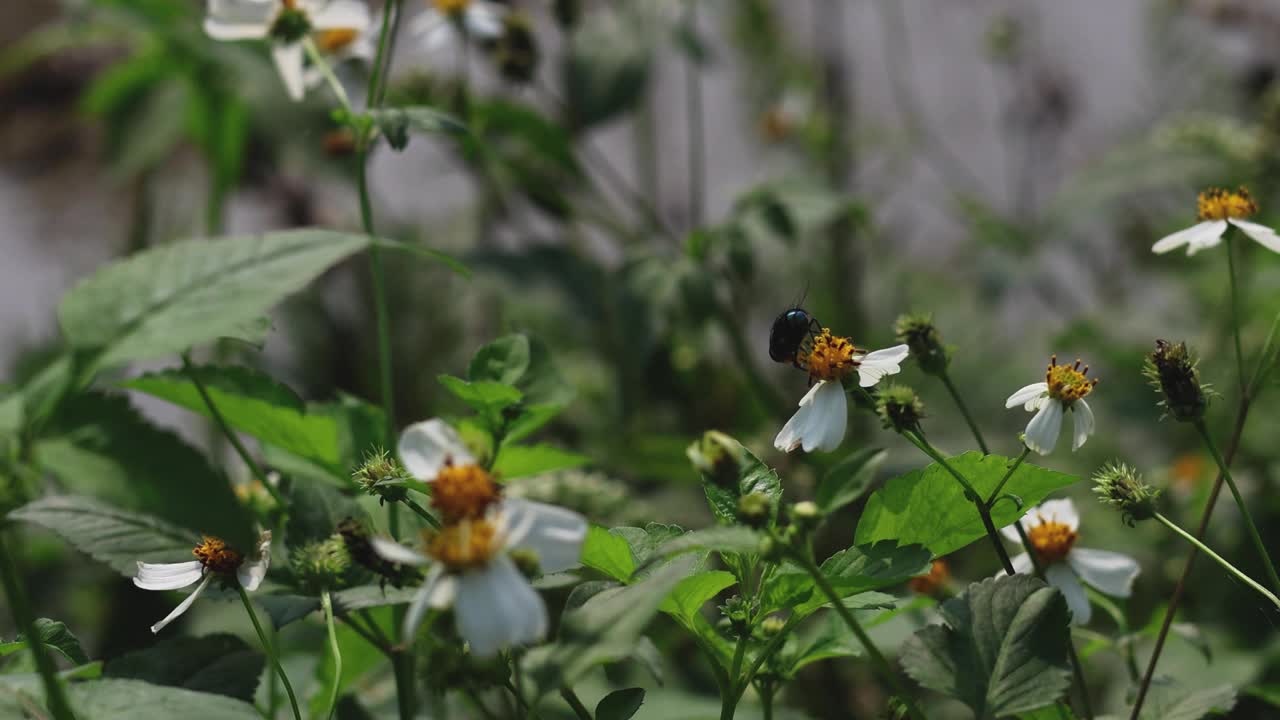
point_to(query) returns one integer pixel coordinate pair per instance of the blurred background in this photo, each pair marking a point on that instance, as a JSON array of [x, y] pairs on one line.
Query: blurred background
[[653, 182]]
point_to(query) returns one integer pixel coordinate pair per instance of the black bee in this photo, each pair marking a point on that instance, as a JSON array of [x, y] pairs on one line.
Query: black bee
[[789, 332]]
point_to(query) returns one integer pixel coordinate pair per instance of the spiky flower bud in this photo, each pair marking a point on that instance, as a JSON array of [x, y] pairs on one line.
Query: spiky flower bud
[[921, 335], [738, 611], [754, 509], [899, 408], [1171, 368], [718, 457], [382, 476], [324, 565], [1122, 487]]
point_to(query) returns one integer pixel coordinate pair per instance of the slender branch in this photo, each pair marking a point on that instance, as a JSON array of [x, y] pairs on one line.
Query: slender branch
[[995, 494], [23, 617], [964, 410], [1239, 574], [421, 512], [1254, 535], [575, 703], [270, 651], [326, 603], [729, 703], [339, 92]]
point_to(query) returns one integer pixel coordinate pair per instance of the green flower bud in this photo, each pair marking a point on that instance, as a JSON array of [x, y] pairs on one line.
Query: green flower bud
[[718, 457], [899, 408], [754, 510], [806, 514], [290, 26], [1171, 368], [921, 335], [1121, 487], [772, 625], [323, 565], [738, 612], [382, 476]]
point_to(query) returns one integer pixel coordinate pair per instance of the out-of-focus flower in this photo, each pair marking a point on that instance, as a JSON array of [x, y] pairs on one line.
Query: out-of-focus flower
[[1063, 390], [446, 22], [1216, 209], [933, 582], [214, 560]]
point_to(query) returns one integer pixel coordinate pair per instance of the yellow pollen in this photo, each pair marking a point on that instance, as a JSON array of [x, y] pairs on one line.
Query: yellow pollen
[[465, 545], [335, 40], [451, 7], [463, 492], [1222, 204], [1052, 540], [830, 357], [214, 554], [1067, 383]]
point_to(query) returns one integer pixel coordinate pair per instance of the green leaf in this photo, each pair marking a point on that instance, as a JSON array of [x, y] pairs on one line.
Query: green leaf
[[284, 608], [504, 361], [620, 704], [396, 122], [851, 572], [688, 597], [753, 477], [115, 537], [736, 539], [609, 553], [928, 507], [165, 300], [110, 699], [221, 664], [1176, 701], [516, 461], [98, 444], [1002, 651], [1049, 712], [489, 399], [53, 634], [253, 403], [315, 510], [848, 479]]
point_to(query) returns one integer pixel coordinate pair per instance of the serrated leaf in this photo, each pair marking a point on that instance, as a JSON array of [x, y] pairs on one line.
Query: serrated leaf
[[753, 477], [1176, 701], [1003, 649], [899, 509], [489, 399], [737, 539], [221, 664], [851, 571], [691, 593], [609, 553], [52, 634], [253, 403], [165, 300], [100, 445], [516, 461], [504, 361], [620, 704], [112, 536], [848, 479], [116, 699]]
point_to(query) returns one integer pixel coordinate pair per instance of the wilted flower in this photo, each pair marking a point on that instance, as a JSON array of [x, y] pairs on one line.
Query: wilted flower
[[1122, 487], [1217, 208], [1063, 390], [1052, 531], [1172, 370], [214, 559], [445, 21]]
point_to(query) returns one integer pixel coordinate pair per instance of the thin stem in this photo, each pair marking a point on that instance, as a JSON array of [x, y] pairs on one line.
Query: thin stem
[[1235, 309], [326, 603], [694, 119], [227, 432], [270, 651], [964, 410], [364, 633], [995, 494], [422, 512], [729, 703], [766, 700], [1254, 535], [379, 66], [575, 703], [1239, 574], [309, 46], [55, 696]]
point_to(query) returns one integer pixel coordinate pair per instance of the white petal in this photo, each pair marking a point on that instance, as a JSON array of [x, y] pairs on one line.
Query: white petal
[[239, 20], [554, 534], [428, 596], [497, 608], [1207, 238], [433, 29], [397, 553], [1022, 564], [1109, 572], [1261, 234], [1060, 576], [250, 574], [182, 606], [1034, 391], [875, 365], [1196, 234], [342, 15], [1062, 510], [1081, 424], [1011, 533], [167, 576], [288, 59], [483, 20], [428, 446], [819, 423], [1042, 432]]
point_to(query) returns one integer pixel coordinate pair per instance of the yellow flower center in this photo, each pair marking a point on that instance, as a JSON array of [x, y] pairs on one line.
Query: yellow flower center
[[451, 7], [463, 492], [336, 39], [214, 554], [934, 580], [1067, 383], [1222, 204], [1052, 540], [463, 546], [830, 357]]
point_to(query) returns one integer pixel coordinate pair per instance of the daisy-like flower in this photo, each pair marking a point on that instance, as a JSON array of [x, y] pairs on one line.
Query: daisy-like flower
[[342, 44], [1215, 209], [1063, 390], [286, 23], [446, 21], [820, 422], [470, 557], [214, 560], [1053, 529]]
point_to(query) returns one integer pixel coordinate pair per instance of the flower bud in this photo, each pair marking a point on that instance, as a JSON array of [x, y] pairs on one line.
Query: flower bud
[[1172, 370], [754, 510], [382, 476], [806, 514], [921, 335], [738, 612], [718, 457], [1122, 487], [899, 408], [772, 625], [323, 565]]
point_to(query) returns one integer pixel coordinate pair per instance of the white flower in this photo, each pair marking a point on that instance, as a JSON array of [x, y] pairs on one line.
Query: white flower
[[1218, 208], [215, 559], [1052, 530], [1064, 391], [470, 556], [438, 27], [286, 23], [820, 422]]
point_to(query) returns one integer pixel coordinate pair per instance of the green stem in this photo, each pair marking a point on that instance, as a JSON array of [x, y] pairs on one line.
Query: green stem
[[877, 659], [766, 700], [1254, 535], [309, 46], [729, 703], [55, 696], [995, 494], [227, 432], [1240, 575], [422, 512], [964, 410], [326, 603], [381, 63], [270, 651], [1235, 308], [575, 703]]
